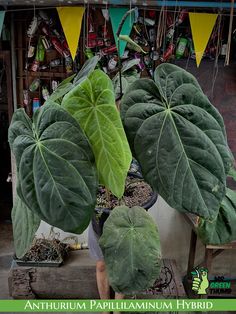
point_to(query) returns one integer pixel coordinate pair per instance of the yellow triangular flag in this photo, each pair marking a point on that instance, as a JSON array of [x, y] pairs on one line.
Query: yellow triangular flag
[[71, 20], [201, 25]]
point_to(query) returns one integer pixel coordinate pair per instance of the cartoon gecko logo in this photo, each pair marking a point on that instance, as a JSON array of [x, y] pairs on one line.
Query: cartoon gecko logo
[[200, 280]]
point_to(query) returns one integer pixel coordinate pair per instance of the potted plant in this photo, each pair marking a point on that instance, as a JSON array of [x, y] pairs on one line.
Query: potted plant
[[77, 140], [58, 181]]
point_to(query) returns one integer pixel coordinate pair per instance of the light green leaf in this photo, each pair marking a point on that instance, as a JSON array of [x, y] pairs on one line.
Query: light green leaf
[[56, 171], [132, 44], [127, 65], [92, 104], [25, 224], [179, 140], [131, 247], [222, 229]]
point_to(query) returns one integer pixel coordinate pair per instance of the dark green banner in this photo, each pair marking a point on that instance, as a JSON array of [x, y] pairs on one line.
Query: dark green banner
[[183, 305]]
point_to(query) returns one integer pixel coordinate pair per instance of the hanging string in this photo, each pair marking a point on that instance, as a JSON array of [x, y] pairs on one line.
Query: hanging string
[[218, 50], [174, 21], [84, 25], [26, 55], [159, 29], [164, 27], [87, 24], [130, 16], [105, 24], [229, 34]]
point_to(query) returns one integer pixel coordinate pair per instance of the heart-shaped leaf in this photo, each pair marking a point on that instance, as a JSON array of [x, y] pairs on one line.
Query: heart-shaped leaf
[[56, 171], [25, 224], [92, 104], [131, 246], [179, 139]]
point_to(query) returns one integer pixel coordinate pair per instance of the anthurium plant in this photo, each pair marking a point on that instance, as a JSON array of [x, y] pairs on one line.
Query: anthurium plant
[[78, 139]]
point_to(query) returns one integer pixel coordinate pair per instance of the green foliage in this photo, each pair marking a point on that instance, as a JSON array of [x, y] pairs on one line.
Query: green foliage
[[133, 45], [92, 104], [179, 139], [223, 228], [25, 224], [131, 247], [56, 172], [67, 85], [128, 76]]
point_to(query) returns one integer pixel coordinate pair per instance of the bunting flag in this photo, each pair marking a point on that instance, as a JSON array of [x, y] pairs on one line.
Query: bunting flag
[[71, 21], [201, 25], [116, 15], [2, 15]]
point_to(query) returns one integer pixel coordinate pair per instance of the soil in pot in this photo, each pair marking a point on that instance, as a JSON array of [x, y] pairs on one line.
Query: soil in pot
[[137, 193]]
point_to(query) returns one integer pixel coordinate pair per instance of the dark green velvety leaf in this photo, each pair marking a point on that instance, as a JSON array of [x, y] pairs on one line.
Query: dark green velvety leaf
[[25, 224], [92, 104], [179, 139], [223, 228], [169, 76], [131, 246], [56, 171]]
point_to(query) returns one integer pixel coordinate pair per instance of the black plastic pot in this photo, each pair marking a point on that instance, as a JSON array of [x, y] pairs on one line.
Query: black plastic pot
[[101, 214]]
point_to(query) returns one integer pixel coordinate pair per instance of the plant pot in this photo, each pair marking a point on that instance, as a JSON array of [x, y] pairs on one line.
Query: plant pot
[[101, 214]]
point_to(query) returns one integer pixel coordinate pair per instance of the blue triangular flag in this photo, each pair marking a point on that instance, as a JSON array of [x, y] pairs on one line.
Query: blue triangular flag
[[116, 15], [2, 15]]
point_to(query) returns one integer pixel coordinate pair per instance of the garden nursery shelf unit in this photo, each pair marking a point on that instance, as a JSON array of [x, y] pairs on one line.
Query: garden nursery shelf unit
[[47, 71]]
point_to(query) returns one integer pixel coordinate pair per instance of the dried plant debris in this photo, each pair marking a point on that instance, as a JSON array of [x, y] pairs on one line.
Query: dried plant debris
[[46, 250]]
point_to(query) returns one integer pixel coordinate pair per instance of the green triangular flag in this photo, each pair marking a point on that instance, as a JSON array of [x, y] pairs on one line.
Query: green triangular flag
[[2, 15], [116, 15]]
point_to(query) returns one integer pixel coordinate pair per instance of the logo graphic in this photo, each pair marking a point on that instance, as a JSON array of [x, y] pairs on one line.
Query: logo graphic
[[220, 285], [200, 280]]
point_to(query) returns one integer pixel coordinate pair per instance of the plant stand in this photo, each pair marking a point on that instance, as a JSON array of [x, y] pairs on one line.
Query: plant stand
[[76, 279], [211, 251]]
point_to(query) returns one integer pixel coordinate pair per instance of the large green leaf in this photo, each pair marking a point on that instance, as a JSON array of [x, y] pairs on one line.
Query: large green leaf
[[179, 140], [56, 171], [25, 224], [92, 103], [223, 228], [131, 247]]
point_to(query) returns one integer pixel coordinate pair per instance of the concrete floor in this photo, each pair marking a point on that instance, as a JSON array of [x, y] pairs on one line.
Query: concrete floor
[[6, 252]]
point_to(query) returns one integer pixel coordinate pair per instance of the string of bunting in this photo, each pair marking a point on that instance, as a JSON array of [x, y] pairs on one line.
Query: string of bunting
[[71, 18]]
